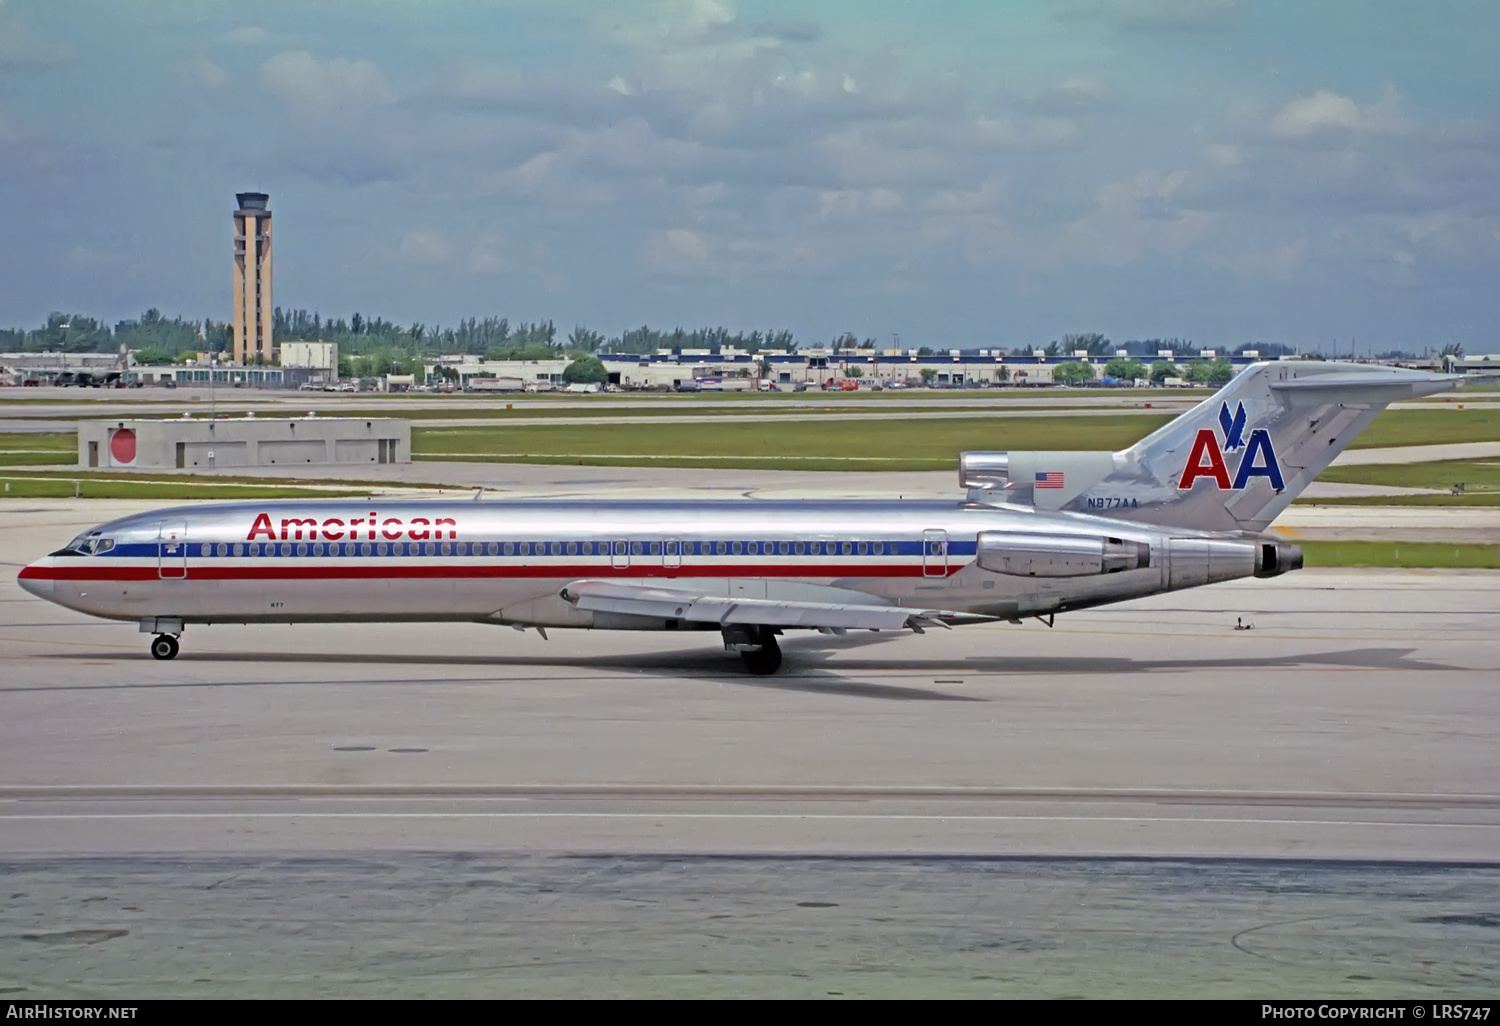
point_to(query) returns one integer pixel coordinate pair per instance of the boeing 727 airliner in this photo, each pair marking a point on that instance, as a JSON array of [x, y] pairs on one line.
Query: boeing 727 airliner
[[1038, 533]]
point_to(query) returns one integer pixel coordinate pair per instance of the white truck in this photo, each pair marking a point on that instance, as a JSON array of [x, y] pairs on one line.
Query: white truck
[[494, 385]]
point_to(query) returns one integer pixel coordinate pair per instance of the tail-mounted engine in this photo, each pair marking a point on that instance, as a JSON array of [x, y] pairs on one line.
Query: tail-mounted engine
[[1058, 555]]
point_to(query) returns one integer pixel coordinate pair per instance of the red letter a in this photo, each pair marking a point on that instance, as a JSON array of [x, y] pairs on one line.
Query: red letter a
[[262, 523], [1206, 442]]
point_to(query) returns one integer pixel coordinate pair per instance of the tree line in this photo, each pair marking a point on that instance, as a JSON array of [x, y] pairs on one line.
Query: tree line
[[151, 332], [373, 342]]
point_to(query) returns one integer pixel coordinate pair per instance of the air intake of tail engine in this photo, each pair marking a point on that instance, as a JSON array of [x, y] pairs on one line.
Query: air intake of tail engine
[[983, 469]]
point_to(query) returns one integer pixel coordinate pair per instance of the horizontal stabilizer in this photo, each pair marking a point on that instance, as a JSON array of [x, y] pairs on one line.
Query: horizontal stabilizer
[[1360, 382]]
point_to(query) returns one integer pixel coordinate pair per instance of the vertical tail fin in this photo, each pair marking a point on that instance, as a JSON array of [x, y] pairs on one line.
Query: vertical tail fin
[[1237, 459]]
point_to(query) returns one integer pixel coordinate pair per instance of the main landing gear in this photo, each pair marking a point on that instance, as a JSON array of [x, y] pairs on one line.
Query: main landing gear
[[766, 661], [757, 648], [164, 646]]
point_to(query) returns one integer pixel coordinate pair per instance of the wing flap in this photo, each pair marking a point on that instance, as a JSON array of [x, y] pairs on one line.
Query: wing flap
[[680, 604]]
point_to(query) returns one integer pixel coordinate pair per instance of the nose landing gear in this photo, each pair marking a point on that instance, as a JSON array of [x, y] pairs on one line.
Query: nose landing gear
[[164, 646]]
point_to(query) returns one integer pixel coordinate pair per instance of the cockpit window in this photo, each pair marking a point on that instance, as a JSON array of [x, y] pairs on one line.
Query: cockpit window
[[87, 544]]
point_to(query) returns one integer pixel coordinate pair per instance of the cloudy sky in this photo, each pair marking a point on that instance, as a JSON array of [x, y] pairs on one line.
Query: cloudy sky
[[970, 172]]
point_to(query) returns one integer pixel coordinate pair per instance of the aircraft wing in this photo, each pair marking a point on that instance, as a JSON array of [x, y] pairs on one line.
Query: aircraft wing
[[685, 604]]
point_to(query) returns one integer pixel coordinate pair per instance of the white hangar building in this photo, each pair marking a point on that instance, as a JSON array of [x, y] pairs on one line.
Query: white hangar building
[[224, 442]]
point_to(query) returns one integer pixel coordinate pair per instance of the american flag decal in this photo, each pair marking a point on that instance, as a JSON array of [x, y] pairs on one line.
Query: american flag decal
[[1051, 479]]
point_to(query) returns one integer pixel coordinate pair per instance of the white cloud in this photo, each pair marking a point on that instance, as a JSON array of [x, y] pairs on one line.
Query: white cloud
[[849, 203], [988, 197], [425, 247], [205, 74], [1326, 113], [685, 244], [667, 21], [342, 122], [675, 251], [313, 90], [1072, 96], [1224, 154], [1132, 221]]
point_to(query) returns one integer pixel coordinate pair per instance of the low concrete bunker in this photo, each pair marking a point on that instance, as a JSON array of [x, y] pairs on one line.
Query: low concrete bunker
[[191, 443]]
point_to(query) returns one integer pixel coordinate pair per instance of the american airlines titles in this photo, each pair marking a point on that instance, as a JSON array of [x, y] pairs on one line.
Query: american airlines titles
[[335, 529], [1206, 459]]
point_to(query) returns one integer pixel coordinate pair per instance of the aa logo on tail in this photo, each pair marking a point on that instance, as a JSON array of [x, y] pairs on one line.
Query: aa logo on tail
[[1207, 456]]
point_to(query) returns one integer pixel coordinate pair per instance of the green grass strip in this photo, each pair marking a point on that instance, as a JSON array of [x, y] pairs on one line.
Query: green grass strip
[[1401, 554], [1444, 426], [39, 487], [891, 442], [1467, 499], [803, 441], [1475, 475]]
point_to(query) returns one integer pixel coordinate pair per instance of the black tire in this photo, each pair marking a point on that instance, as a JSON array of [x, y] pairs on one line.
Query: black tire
[[164, 646], [768, 660]]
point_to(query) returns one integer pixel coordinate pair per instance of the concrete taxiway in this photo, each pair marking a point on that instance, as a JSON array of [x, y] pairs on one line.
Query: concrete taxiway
[[1357, 718]]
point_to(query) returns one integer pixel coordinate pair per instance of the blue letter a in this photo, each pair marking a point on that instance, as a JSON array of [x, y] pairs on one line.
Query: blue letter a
[[1260, 442]]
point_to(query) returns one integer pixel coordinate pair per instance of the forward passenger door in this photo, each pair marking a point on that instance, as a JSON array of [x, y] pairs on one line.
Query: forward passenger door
[[171, 550]]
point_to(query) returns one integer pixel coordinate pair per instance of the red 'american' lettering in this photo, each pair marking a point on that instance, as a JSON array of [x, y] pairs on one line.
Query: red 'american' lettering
[[335, 529]]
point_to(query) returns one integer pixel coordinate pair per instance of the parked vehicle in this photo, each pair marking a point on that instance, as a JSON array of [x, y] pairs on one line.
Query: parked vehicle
[[495, 385]]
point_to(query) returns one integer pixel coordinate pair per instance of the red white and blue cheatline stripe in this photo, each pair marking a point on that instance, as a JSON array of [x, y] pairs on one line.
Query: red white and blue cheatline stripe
[[1051, 479], [350, 571]]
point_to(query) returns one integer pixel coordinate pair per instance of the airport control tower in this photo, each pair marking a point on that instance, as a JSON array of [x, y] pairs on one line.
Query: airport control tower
[[252, 278]]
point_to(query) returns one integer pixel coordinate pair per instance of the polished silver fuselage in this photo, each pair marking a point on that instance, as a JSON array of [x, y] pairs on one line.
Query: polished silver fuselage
[[360, 560]]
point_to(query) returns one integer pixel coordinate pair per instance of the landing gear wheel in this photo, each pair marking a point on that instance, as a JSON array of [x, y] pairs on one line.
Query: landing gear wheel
[[164, 646], [768, 660]]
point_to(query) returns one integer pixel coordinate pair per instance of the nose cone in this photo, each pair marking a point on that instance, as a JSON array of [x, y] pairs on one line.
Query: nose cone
[[37, 579]]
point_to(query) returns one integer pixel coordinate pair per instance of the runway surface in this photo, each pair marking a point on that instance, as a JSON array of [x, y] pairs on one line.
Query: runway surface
[[1358, 719], [1142, 801], [487, 925]]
